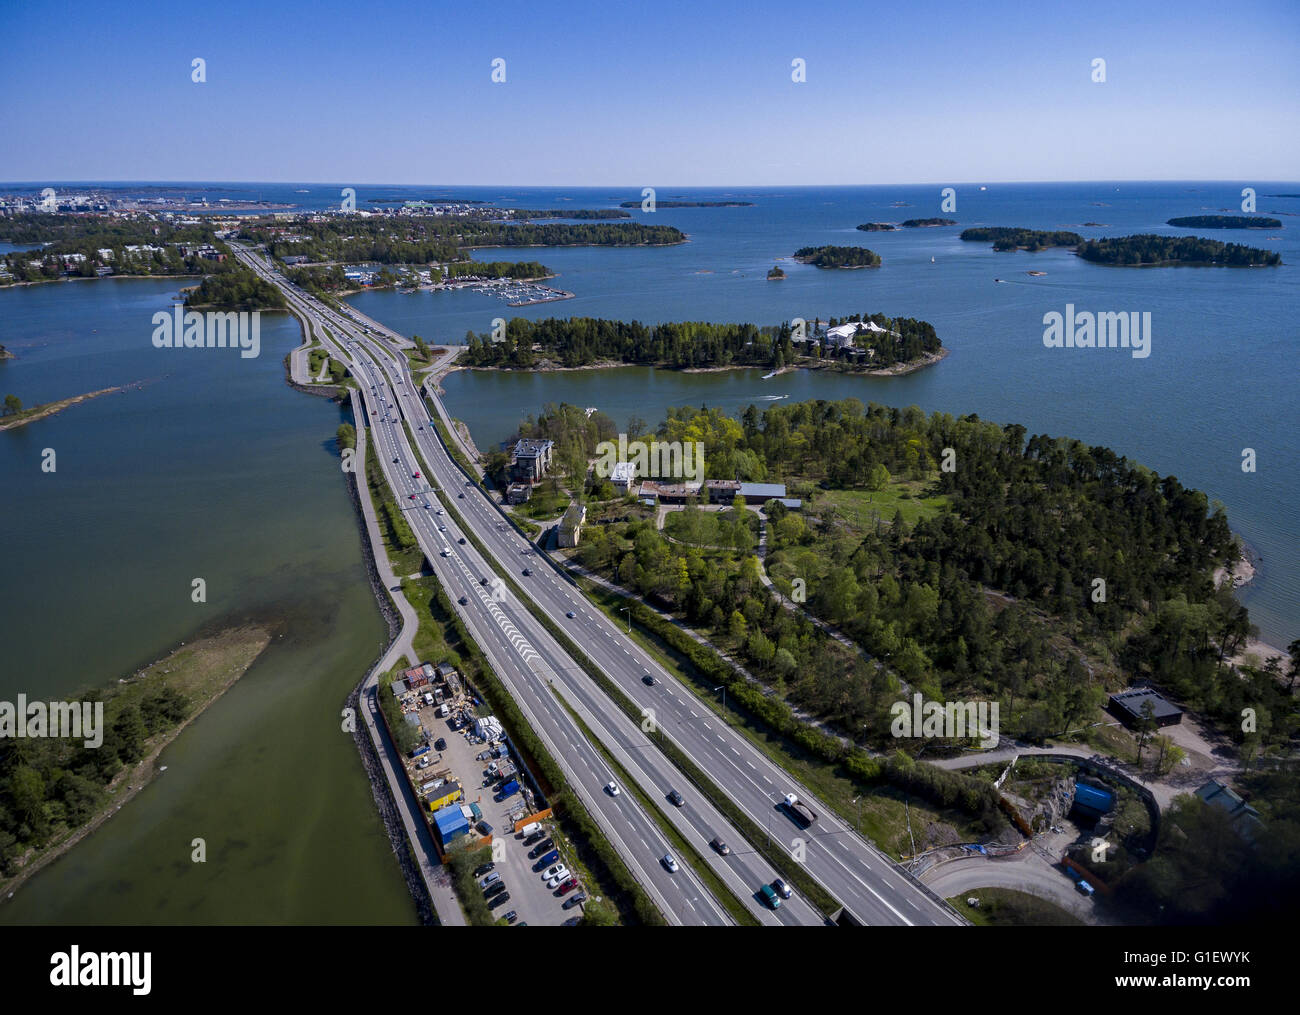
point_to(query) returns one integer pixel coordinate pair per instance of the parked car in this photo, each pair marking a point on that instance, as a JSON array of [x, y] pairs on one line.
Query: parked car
[[568, 886], [547, 859], [669, 861], [440, 744], [491, 879], [492, 890], [512, 916], [483, 868], [722, 848], [553, 871], [535, 837], [577, 900], [540, 848], [782, 889], [500, 900], [559, 879], [677, 799]]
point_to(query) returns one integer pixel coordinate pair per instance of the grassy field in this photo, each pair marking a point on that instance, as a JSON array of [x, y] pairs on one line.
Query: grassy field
[[1005, 907], [861, 508]]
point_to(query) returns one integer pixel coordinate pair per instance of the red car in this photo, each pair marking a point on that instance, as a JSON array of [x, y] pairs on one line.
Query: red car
[[415, 474], [412, 496], [568, 886]]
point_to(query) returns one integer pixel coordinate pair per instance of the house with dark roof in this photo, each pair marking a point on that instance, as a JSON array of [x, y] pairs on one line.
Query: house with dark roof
[[1130, 707], [530, 459]]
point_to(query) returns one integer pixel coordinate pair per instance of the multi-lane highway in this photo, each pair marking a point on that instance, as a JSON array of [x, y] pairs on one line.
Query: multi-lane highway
[[538, 672], [872, 888]]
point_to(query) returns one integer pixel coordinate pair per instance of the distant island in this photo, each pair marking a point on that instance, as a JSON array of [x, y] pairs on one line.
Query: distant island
[[1014, 238], [692, 204], [1149, 250], [5, 353], [1225, 222], [838, 257], [877, 227], [775, 275], [916, 223]]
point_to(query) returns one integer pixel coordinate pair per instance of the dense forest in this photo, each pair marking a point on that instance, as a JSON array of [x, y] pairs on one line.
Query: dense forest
[[1149, 249], [47, 783], [234, 287], [423, 240], [498, 269], [580, 341], [915, 223], [578, 214], [838, 257], [1014, 238], [989, 593], [877, 227], [1225, 222]]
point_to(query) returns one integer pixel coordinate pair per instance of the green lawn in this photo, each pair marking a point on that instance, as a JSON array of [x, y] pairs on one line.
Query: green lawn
[[861, 507], [1005, 907]]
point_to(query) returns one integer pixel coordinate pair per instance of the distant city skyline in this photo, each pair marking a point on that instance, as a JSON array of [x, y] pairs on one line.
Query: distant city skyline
[[701, 96]]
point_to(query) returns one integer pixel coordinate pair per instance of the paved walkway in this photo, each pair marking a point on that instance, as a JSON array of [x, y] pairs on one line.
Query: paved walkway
[[436, 877]]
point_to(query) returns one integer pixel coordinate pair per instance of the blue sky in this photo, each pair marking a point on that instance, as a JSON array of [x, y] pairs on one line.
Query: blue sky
[[667, 94]]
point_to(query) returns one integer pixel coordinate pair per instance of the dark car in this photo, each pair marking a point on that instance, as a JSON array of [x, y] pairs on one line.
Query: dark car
[[500, 900], [782, 889], [440, 744], [648, 680], [676, 798], [535, 837], [527, 570], [493, 889], [462, 496], [463, 600], [512, 916], [577, 900], [542, 847], [482, 581], [461, 540], [482, 869], [722, 848]]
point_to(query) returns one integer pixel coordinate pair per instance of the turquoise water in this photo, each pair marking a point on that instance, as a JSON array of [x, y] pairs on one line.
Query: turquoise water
[[212, 468]]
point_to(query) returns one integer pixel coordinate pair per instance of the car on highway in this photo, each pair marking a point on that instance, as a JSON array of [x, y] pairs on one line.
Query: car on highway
[[554, 872], [570, 614], [770, 897], [541, 847], [670, 862], [461, 496], [722, 848], [648, 680], [482, 581], [439, 510], [415, 474], [527, 571], [500, 900], [463, 600], [461, 540], [612, 789], [412, 496], [577, 900], [782, 889], [442, 528], [677, 799], [394, 459]]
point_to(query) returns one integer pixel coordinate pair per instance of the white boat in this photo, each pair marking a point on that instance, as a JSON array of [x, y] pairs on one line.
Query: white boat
[[932, 260]]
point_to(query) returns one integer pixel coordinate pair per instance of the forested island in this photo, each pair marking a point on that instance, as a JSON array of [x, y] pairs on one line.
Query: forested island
[[880, 343], [1225, 222], [234, 287], [920, 223], [440, 239], [952, 584], [774, 274], [877, 227], [1149, 250], [691, 204], [1013, 238], [574, 213], [838, 257]]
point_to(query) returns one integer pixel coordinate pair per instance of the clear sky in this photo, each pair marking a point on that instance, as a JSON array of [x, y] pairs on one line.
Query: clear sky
[[672, 93]]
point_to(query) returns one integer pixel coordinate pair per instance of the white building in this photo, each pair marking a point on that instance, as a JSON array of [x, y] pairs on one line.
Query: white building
[[623, 475]]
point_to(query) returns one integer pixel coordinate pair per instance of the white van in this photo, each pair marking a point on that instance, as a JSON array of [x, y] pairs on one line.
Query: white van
[[530, 828]]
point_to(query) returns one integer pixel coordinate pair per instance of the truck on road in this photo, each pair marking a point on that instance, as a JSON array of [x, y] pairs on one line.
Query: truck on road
[[801, 812]]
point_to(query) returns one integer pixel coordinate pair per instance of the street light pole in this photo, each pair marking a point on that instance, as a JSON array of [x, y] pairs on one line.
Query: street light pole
[[628, 611], [858, 827]]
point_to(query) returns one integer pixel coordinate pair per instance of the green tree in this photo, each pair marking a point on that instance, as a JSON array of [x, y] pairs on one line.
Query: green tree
[[13, 405]]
